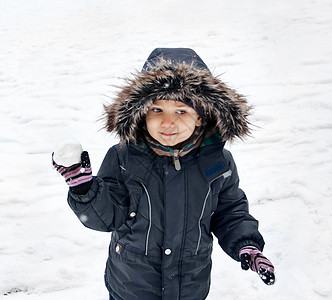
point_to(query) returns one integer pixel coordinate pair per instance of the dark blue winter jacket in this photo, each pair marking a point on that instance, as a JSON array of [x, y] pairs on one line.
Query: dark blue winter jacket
[[163, 220]]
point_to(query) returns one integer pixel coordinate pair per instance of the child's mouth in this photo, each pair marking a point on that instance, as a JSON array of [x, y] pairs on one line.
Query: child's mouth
[[167, 134]]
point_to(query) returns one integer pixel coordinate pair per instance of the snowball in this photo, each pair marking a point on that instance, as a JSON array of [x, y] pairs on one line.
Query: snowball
[[68, 153]]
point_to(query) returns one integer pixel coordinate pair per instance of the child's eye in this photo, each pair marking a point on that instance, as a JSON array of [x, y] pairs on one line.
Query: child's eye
[[181, 112], [156, 110]]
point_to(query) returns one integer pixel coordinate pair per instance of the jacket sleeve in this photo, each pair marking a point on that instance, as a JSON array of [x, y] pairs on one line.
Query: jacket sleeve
[[105, 206], [231, 223]]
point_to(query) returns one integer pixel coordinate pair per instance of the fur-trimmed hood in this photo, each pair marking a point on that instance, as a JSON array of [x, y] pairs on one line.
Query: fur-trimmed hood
[[177, 74]]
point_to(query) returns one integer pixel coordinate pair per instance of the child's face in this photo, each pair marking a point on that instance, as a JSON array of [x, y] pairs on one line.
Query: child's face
[[171, 122]]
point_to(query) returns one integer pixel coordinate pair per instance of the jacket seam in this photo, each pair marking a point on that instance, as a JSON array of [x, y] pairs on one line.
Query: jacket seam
[[150, 218], [225, 174]]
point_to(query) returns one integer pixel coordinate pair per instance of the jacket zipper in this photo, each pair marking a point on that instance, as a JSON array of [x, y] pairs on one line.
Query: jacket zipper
[[226, 174], [177, 164], [150, 219], [176, 159]]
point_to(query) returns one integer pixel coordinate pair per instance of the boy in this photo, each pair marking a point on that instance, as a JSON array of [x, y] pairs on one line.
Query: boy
[[169, 184]]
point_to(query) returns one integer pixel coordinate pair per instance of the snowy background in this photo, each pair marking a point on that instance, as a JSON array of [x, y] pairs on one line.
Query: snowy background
[[59, 62]]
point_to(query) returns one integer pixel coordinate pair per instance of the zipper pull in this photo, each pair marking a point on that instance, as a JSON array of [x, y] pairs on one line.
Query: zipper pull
[[177, 164], [176, 160]]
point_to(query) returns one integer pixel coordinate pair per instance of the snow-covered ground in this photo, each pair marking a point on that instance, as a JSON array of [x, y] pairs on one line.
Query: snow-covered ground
[[59, 62]]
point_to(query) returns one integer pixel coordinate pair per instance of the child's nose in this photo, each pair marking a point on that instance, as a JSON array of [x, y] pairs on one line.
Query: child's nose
[[167, 122]]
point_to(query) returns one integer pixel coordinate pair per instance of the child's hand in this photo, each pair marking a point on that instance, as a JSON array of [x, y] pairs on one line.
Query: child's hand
[[254, 259], [76, 174]]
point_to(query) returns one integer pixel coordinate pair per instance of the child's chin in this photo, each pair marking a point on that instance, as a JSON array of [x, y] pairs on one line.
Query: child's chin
[[169, 142], [166, 143]]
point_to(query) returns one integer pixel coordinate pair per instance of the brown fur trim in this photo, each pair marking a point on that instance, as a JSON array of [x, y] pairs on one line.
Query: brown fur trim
[[224, 109]]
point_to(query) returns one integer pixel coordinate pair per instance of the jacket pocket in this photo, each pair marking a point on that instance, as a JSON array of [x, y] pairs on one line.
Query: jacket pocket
[[131, 274], [195, 276], [119, 251]]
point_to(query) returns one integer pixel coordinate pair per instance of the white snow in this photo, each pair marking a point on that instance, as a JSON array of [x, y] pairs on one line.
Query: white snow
[[60, 61]]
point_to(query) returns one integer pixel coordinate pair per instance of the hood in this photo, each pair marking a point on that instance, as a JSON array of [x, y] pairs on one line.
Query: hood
[[177, 74]]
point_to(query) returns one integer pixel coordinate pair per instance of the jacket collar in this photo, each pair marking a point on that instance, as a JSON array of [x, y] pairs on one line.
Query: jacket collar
[[178, 151], [209, 157]]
